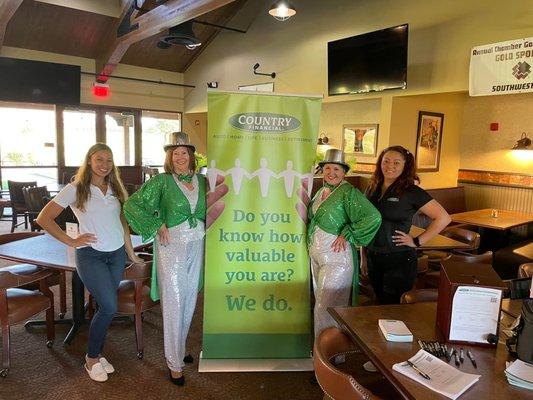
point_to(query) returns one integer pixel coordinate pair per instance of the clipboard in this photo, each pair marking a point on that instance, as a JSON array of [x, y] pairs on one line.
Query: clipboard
[[468, 281]]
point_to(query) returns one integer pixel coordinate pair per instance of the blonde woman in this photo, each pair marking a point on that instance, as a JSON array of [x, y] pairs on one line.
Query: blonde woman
[[96, 197]]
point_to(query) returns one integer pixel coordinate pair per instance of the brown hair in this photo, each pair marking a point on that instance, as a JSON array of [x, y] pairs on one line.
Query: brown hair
[[407, 178], [169, 166], [82, 180]]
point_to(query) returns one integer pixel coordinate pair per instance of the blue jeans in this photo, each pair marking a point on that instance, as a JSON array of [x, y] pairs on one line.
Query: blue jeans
[[101, 273]]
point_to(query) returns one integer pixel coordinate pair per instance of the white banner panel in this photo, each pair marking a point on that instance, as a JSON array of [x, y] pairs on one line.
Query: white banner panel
[[502, 68]]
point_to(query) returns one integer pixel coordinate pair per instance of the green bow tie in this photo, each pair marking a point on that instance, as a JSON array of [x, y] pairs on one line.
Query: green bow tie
[[329, 186], [185, 178]]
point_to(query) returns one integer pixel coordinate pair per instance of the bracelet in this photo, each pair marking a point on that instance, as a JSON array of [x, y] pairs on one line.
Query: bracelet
[[416, 241]]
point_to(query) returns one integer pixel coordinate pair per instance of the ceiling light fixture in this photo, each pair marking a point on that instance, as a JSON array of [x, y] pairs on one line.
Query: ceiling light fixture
[[282, 10], [256, 66], [523, 143]]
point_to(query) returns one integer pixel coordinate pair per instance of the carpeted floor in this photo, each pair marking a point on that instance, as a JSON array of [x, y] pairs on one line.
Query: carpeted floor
[[57, 373]]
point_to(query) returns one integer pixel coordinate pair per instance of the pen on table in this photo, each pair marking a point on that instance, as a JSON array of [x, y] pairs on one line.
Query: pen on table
[[449, 354], [422, 374], [471, 356], [456, 354], [462, 355]]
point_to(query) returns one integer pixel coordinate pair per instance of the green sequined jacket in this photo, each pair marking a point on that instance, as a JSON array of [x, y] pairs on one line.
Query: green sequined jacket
[[347, 212], [158, 201]]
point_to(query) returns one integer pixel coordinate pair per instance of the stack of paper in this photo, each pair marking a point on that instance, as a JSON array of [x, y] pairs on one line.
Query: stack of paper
[[443, 378], [520, 373], [395, 331]]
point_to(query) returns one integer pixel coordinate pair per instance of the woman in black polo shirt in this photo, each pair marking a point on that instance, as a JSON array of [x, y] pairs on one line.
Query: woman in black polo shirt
[[391, 257]]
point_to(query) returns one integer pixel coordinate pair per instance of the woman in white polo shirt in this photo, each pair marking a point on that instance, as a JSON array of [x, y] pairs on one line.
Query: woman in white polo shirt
[[96, 197]]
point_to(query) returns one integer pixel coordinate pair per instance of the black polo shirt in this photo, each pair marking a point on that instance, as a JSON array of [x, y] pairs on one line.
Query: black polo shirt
[[397, 214]]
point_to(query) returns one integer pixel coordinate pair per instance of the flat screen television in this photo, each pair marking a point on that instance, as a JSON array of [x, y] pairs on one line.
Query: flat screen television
[[369, 62], [31, 81]]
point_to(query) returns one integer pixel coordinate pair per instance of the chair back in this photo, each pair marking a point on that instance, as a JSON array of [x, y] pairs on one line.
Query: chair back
[[16, 195], [148, 171], [36, 198], [525, 270], [139, 272], [473, 239], [419, 296], [485, 258], [12, 237], [11, 280], [335, 383]]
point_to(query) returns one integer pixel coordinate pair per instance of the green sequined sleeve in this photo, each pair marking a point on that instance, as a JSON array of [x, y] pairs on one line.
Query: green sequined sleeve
[[364, 218], [142, 208]]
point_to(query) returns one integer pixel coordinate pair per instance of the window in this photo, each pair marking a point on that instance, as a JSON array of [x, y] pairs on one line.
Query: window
[[28, 149], [120, 137], [79, 127], [155, 127]]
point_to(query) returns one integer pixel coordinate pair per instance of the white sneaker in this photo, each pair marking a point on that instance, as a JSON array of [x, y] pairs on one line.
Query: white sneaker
[[369, 367], [107, 365], [97, 372]]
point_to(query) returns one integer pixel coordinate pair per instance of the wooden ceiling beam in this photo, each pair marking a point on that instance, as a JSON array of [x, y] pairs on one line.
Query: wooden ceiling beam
[[7, 10], [161, 18]]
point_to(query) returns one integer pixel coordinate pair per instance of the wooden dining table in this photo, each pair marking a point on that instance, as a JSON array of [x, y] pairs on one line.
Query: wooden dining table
[[439, 242], [45, 251], [499, 220], [361, 324]]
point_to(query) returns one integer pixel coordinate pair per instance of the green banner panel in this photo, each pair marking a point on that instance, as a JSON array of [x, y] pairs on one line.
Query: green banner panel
[[256, 301]]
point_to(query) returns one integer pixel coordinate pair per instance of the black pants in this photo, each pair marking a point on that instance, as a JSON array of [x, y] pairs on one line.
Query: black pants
[[392, 274]]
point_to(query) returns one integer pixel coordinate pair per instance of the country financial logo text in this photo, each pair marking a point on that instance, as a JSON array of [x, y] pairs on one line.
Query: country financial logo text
[[264, 122]]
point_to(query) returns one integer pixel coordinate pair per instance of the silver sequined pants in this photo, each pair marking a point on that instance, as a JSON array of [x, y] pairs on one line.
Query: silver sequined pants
[[332, 277], [178, 270]]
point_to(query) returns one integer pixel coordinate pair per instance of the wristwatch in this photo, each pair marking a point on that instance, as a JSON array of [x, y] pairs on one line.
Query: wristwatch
[[416, 241]]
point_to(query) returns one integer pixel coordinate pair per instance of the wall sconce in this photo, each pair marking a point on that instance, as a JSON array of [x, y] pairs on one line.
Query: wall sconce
[[523, 143], [256, 66], [322, 139], [282, 10]]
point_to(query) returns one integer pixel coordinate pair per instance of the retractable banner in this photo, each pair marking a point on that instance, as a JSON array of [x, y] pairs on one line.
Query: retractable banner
[[262, 148], [502, 68]]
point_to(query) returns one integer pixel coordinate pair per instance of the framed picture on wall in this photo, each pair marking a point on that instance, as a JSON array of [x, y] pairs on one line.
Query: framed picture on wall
[[428, 141], [360, 139]]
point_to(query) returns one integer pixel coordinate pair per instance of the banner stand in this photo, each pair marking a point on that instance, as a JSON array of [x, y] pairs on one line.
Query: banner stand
[[254, 364]]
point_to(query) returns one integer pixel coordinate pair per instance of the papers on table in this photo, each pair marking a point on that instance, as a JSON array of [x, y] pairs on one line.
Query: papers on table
[[475, 312], [445, 379], [395, 331], [520, 373]]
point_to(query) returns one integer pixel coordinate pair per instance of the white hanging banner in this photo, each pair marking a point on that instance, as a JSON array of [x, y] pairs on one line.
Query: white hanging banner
[[502, 68]]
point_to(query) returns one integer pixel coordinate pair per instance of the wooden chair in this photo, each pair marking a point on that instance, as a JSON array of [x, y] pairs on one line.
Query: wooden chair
[[336, 384], [473, 239], [18, 204], [134, 296], [525, 270], [433, 277], [419, 296], [56, 277], [148, 172], [35, 198], [17, 304]]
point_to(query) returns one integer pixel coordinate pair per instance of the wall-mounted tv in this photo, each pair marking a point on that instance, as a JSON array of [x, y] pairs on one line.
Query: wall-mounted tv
[[39, 82], [370, 62]]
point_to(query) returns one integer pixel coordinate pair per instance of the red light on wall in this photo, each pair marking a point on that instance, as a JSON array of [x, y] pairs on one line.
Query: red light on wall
[[494, 126], [101, 89]]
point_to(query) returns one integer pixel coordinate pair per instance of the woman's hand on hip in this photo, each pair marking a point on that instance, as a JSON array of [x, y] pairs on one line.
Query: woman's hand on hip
[[339, 244], [83, 240], [164, 235], [403, 239], [134, 258]]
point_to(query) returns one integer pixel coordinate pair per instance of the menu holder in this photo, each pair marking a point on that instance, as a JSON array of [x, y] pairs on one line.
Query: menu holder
[[469, 303]]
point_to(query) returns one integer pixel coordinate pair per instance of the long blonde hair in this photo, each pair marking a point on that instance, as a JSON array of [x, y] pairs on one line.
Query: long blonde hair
[[82, 180]]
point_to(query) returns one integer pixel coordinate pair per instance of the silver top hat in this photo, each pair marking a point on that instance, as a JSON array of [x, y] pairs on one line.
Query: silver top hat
[[175, 139], [334, 156]]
